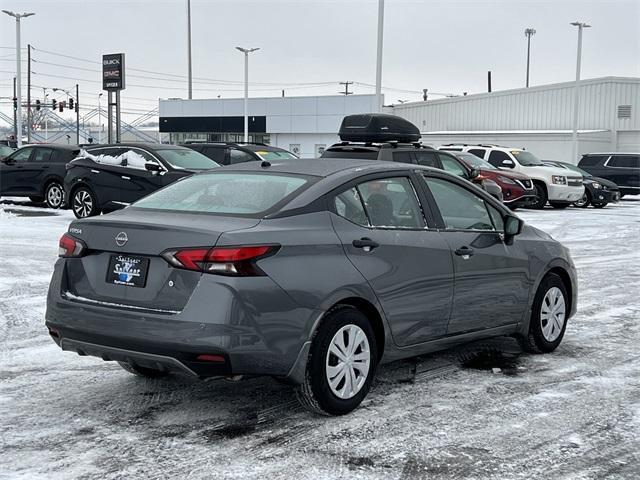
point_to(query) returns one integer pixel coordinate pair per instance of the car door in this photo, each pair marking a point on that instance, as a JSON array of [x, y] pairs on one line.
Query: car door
[[108, 179], [137, 181], [408, 265], [624, 170], [491, 277], [37, 168], [11, 171]]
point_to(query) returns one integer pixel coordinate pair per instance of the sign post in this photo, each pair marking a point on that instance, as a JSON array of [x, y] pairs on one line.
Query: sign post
[[113, 80]]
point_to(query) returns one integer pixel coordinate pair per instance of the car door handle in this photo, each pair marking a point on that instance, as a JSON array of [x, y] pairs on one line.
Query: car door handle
[[366, 244], [464, 252], [125, 177], [95, 171]]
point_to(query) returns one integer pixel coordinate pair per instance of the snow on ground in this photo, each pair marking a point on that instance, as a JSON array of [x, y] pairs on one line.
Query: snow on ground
[[574, 414]]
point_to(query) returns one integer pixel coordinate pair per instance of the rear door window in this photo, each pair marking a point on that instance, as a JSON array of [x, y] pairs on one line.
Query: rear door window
[[451, 165], [391, 203], [428, 159], [624, 161], [478, 152], [403, 157], [238, 156], [41, 155], [349, 205]]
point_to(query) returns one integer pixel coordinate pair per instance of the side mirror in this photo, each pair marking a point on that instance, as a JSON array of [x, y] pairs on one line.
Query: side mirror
[[152, 167], [474, 173], [512, 227], [508, 163], [8, 161]]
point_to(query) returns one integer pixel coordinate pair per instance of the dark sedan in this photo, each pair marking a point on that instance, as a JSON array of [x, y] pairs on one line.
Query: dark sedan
[[309, 271]]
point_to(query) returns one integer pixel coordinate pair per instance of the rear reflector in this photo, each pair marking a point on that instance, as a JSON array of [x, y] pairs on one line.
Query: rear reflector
[[235, 261], [69, 246], [210, 358]]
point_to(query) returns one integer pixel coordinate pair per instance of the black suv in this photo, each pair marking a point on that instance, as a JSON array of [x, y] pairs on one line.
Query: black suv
[[37, 172], [109, 177], [226, 153], [621, 168], [394, 139]]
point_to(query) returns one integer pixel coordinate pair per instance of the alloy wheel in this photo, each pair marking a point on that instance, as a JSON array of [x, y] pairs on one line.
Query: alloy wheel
[[348, 361], [583, 202], [552, 314], [55, 195], [82, 204]]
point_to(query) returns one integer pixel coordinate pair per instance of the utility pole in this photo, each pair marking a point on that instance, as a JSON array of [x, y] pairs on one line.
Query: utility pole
[[46, 114], [99, 119], [489, 81], [529, 32], [379, 55], [424, 94], [77, 114], [576, 91], [346, 88], [189, 49], [28, 93], [15, 111]]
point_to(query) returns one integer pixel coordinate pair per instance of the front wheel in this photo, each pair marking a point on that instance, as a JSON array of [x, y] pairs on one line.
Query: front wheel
[[341, 364], [548, 316], [584, 201], [83, 203], [559, 205], [54, 195], [541, 197]]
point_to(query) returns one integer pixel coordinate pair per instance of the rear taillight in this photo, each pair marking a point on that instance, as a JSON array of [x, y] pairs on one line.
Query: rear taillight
[[234, 261], [69, 247]]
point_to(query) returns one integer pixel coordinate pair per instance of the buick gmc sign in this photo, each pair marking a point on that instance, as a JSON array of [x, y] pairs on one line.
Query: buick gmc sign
[[113, 71]]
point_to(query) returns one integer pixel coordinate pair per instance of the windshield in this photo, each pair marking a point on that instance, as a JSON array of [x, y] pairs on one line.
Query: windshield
[[5, 151], [186, 158], [577, 169], [527, 159], [275, 155], [474, 161], [243, 193]]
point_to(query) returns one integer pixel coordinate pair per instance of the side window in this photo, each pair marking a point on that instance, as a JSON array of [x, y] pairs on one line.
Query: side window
[[349, 205], [460, 209], [403, 157], [428, 159], [592, 160], [496, 216], [478, 152], [135, 158], [216, 154], [22, 155], [238, 156], [451, 165], [496, 158], [624, 161], [391, 203], [41, 155]]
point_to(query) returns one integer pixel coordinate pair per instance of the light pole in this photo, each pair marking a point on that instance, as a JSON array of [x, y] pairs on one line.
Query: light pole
[[379, 55], [576, 91], [46, 114], [529, 32], [18, 16], [246, 52], [99, 120], [189, 48]]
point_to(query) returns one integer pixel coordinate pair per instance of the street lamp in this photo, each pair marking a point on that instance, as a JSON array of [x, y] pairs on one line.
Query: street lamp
[[18, 16], [379, 55], [46, 115], [529, 32], [576, 91], [189, 49], [246, 52], [99, 119]]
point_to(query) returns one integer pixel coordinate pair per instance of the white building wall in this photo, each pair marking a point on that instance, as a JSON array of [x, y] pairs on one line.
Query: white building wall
[[309, 144]]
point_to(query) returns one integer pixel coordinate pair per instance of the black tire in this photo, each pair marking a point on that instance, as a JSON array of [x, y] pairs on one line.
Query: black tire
[[36, 199], [315, 393], [559, 205], [54, 195], [535, 341], [142, 371], [600, 205], [541, 196], [586, 198], [83, 203]]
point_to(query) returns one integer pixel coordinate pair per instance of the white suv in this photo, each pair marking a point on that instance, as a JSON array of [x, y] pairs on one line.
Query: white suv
[[552, 184]]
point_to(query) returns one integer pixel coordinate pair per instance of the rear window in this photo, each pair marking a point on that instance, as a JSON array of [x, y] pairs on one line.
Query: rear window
[[186, 158], [275, 155], [233, 193]]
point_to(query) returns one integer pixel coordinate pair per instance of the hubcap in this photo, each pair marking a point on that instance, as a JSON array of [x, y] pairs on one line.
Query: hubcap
[[552, 314], [55, 195], [348, 361], [82, 203]]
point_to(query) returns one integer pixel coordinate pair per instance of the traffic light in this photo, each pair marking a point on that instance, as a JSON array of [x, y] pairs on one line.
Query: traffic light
[[71, 103], [77, 107], [15, 104], [37, 104], [61, 106], [53, 103]]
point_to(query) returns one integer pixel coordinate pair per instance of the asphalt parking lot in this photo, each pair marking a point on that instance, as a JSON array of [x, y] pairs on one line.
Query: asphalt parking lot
[[482, 411]]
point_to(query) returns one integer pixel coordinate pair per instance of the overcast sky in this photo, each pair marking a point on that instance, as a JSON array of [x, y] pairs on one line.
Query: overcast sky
[[445, 46]]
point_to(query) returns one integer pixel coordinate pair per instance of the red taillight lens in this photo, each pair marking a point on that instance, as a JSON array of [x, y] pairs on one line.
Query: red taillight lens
[[70, 246], [235, 261]]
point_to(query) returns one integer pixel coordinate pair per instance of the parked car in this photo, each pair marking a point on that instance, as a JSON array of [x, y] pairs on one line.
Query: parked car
[[517, 188], [551, 184], [621, 168], [5, 151], [109, 177], [598, 192], [37, 172], [226, 153], [390, 138], [312, 272]]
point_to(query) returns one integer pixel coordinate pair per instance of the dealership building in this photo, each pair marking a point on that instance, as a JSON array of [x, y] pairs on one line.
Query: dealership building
[[538, 118]]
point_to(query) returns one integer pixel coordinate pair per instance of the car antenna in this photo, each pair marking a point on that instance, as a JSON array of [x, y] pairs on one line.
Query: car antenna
[[265, 164]]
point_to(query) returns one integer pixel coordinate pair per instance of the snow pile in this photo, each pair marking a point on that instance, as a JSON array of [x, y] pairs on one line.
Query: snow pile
[[5, 215], [128, 159]]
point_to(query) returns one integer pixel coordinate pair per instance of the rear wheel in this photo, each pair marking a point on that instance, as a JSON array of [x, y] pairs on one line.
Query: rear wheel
[[341, 364], [548, 316], [541, 196], [54, 195], [83, 203], [584, 201], [559, 205], [142, 371]]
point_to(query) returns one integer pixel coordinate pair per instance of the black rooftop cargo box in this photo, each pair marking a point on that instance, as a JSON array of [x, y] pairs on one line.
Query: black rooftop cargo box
[[377, 127]]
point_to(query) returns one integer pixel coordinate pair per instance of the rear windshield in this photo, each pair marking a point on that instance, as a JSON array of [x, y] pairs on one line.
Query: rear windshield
[[240, 193], [275, 155], [186, 158]]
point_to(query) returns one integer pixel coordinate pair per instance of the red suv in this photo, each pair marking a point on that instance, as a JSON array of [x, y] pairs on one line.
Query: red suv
[[517, 189]]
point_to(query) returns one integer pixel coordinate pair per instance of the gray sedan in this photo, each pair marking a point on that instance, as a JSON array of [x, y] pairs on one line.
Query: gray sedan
[[310, 271]]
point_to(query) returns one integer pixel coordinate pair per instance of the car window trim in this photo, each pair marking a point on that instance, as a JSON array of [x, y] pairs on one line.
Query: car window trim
[[158, 161], [606, 163]]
